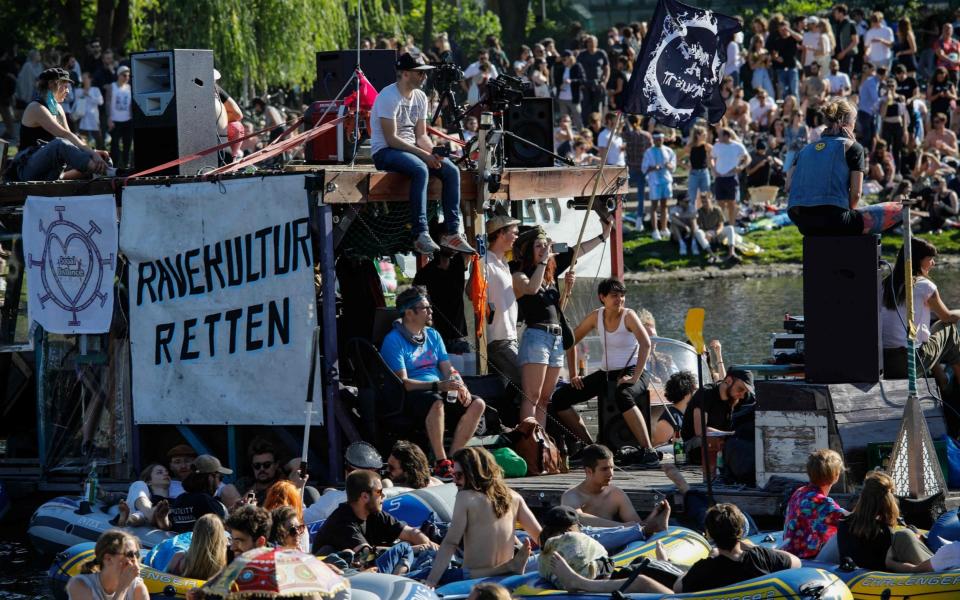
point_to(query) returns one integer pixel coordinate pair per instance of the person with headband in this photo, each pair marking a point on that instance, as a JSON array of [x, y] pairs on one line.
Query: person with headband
[[49, 150], [826, 182]]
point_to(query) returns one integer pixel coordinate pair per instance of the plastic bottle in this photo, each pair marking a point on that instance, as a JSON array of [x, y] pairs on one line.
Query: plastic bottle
[[679, 455], [719, 463], [454, 376], [91, 484]]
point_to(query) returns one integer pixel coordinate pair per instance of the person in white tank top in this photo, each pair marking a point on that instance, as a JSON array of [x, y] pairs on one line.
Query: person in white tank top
[[625, 345], [114, 573]]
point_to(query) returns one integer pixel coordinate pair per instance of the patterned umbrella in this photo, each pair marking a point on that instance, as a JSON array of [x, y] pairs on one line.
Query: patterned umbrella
[[276, 573]]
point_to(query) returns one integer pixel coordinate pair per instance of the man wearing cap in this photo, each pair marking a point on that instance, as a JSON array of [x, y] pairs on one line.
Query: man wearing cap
[[198, 497], [399, 143], [120, 123], [359, 456], [719, 400], [502, 345], [179, 458], [659, 163], [47, 146]]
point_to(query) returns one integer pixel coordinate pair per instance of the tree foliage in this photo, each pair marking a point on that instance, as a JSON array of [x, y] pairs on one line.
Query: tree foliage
[[468, 28]]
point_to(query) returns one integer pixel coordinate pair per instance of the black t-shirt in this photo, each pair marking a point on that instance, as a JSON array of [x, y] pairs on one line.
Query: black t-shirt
[[615, 76], [190, 506], [719, 413], [542, 306], [788, 49], [445, 287], [940, 105], [344, 531], [104, 76], [720, 571], [593, 64], [907, 87], [866, 553], [672, 411], [762, 175]]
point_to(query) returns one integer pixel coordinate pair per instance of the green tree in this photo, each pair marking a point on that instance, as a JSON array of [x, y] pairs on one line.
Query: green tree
[[467, 27]]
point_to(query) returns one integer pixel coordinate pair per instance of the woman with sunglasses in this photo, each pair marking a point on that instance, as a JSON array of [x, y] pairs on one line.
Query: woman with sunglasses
[[114, 572], [288, 529], [284, 494]]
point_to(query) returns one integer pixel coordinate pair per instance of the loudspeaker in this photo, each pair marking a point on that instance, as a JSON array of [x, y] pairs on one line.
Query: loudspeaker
[[332, 147], [173, 109], [334, 69], [841, 309], [533, 121], [612, 430]]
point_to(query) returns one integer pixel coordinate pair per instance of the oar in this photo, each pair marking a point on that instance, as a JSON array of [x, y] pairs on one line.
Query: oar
[[693, 326], [314, 348]]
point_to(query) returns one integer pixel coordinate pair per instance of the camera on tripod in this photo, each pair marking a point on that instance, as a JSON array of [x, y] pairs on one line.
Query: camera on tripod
[[505, 90], [446, 74]]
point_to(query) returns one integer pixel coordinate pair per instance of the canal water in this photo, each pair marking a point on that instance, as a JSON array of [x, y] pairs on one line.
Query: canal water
[[742, 313]]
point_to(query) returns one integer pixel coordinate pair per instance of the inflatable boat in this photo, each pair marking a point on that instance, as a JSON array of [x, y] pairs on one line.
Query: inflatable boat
[[683, 546], [882, 585], [160, 585], [364, 586], [793, 584], [56, 525], [413, 507]]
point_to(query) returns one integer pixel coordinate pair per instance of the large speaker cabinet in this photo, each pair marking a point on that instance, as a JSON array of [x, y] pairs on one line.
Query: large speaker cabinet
[[533, 121], [334, 69]]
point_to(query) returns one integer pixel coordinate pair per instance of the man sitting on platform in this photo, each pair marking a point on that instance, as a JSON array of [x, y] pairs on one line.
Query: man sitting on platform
[[602, 504], [719, 400], [399, 143], [416, 353]]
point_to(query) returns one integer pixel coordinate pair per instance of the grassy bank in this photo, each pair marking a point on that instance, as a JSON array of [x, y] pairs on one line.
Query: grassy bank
[[780, 246]]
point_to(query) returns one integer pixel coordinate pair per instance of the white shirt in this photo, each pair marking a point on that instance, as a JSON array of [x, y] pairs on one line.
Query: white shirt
[[120, 98], [616, 155], [761, 112], [727, 156], [839, 82], [475, 76], [93, 100], [566, 92], [324, 506], [878, 53], [500, 293], [734, 58], [811, 41], [946, 558], [892, 321], [404, 112]]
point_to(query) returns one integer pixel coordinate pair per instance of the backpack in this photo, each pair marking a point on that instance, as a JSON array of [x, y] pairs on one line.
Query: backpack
[[536, 447]]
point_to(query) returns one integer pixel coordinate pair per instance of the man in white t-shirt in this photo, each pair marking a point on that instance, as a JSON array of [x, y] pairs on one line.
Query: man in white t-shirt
[[399, 143], [878, 41], [839, 82], [616, 155], [730, 157], [503, 346], [120, 122], [763, 110], [477, 74], [811, 39]]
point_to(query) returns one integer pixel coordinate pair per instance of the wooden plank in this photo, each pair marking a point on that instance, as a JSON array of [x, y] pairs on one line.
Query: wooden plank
[[562, 182]]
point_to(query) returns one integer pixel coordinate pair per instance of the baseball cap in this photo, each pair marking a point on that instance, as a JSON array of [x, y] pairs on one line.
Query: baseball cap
[[362, 455], [560, 517], [566, 54], [743, 375], [498, 222], [408, 62], [54, 74], [123, 69], [181, 450], [657, 134], [812, 20], [206, 464]]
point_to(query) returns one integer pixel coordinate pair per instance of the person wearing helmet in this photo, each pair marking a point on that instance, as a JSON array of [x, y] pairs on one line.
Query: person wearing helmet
[[48, 149], [359, 456]]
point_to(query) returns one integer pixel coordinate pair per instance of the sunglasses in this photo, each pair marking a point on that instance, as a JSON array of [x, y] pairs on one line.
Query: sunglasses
[[377, 492], [297, 529], [257, 466]]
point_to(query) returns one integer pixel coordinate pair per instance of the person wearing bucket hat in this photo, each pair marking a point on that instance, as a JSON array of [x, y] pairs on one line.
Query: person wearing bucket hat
[[399, 143], [48, 149], [535, 269], [503, 344], [198, 499]]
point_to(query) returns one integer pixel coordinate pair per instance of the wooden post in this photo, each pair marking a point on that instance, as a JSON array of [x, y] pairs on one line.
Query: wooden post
[[616, 241]]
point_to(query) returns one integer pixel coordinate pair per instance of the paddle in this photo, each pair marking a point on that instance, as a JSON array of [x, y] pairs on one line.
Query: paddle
[[693, 326], [314, 348]]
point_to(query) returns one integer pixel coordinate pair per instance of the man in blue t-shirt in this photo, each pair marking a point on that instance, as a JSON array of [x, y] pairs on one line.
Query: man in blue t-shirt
[[415, 352]]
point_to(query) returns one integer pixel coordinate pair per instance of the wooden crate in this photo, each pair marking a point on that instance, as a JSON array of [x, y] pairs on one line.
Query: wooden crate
[[784, 439]]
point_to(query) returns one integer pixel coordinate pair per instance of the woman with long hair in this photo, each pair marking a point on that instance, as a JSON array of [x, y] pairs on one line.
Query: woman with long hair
[[208, 551], [409, 466], [114, 572], [827, 45], [759, 59], [905, 46], [284, 493], [144, 498], [867, 534], [826, 182], [287, 529]]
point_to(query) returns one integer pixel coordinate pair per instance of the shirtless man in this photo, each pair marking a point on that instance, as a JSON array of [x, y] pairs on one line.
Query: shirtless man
[[484, 515], [601, 504], [940, 138]]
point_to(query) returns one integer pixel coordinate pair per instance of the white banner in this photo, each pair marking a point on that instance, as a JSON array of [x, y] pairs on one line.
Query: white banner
[[70, 247], [222, 305]]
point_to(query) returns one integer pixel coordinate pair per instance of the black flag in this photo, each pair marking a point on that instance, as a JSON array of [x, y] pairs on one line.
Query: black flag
[[680, 67]]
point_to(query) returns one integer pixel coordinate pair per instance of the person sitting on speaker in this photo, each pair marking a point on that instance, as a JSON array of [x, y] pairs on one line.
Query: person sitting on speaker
[[399, 143], [46, 142], [626, 347], [826, 181], [935, 345]]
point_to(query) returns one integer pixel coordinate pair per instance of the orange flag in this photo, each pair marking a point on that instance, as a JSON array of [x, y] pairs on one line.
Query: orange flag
[[477, 291]]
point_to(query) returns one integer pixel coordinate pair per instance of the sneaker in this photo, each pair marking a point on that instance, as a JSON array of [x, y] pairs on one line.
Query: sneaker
[[443, 469], [424, 244], [683, 248], [649, 459], [457, 242], [655, 235], [665, 234]]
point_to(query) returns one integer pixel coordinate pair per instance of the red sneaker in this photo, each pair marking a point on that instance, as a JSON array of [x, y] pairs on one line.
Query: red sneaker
[[444, 469]]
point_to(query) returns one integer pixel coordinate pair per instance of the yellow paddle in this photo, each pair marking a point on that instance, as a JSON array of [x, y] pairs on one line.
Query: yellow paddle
[[693, 326]]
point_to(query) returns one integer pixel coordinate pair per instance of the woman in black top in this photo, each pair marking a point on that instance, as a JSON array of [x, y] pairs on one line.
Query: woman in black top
[[46, 143], [867, 534], [941, 93], [678, 390]]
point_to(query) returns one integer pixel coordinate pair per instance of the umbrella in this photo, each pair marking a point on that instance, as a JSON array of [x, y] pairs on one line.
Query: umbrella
[[276, 573]]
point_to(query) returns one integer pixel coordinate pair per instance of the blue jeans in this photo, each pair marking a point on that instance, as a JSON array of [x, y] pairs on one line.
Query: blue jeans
[[866, 128], [399, 161], [789, 81], [638, 179], [400, 554], [614, 539], [46, 162], [541, 348], [698, 181]]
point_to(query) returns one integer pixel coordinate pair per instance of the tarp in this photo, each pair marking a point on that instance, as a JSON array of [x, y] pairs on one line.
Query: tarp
[[70, 246], [222, 301]]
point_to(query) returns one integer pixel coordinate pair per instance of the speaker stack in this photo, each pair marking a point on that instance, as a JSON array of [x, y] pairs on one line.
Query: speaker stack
[[532, 120], [841, 309], [335, 68], [173, 109]]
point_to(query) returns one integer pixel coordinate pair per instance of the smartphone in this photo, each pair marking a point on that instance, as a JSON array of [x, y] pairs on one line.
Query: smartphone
[[443, 151], [561, 247]]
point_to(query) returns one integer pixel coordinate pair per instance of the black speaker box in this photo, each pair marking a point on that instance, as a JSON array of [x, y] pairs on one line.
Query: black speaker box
[[173, 109], [612, 430], [532, 120], [841, 309], [334, 69]]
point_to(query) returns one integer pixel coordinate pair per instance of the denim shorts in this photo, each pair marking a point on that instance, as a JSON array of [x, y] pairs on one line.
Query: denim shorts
[[697, 181], [541, 348]]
